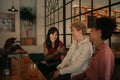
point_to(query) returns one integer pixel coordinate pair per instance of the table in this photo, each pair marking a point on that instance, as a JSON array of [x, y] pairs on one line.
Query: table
[[23, 69]]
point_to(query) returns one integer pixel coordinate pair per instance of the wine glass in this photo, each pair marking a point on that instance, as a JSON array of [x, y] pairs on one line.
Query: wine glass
[[31, 70]]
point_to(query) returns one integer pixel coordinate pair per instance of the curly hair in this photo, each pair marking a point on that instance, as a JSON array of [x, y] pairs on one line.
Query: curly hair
[[106, 25]]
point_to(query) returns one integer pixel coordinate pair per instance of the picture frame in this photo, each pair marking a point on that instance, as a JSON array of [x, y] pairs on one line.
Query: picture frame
[[7, 22]]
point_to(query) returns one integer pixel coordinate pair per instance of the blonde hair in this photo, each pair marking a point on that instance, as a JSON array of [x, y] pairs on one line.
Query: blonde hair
[[78, 25]]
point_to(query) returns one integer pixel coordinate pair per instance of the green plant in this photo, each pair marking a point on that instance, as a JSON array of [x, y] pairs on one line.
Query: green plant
[[26, 13], [28, 17]]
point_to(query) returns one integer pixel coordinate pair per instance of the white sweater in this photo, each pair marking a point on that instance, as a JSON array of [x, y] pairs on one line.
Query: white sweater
[[77, 58]]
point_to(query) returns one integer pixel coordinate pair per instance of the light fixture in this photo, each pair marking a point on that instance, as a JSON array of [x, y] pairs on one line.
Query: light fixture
[[12, 9]]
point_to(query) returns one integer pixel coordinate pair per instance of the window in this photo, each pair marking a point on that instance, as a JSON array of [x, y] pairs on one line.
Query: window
[[67, 11]]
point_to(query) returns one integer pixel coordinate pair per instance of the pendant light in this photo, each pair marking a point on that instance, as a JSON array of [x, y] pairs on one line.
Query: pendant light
[[12, 9]]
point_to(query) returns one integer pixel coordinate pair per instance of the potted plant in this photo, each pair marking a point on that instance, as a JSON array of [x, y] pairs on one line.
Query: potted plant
[[28, 17]]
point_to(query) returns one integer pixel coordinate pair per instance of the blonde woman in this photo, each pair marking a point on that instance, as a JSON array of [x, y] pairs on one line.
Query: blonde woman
[[79, 54]]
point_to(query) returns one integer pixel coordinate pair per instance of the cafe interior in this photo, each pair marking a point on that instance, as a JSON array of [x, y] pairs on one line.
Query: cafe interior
[[42, 15]]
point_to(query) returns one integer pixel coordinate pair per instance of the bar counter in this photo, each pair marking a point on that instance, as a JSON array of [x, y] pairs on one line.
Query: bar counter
[[22, 68]]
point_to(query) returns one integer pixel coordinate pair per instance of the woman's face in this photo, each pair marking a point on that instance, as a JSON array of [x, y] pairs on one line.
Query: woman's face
[[75, 33], [93, 34], [53, 37]]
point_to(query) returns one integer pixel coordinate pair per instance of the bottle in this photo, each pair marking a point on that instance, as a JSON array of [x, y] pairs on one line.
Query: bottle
[[7, 67]]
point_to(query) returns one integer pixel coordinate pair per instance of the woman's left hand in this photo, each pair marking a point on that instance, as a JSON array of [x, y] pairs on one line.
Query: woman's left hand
[[61, 49], [44, 62], [56, 74]]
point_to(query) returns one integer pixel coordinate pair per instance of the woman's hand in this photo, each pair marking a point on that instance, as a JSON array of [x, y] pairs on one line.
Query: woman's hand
[[61, 49], [44, 62], [56, 74]]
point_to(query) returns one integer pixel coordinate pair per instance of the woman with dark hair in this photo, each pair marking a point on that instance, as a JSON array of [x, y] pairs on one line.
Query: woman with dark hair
[[49, 41], [54, 50]]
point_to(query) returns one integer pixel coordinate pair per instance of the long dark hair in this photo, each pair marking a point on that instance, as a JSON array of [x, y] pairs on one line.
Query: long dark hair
[[48, 41]]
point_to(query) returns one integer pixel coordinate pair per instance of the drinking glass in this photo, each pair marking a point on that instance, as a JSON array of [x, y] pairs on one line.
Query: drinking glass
[[31, 70]]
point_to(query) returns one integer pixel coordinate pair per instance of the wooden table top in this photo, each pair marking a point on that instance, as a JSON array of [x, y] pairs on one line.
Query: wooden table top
[[23, 69]]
